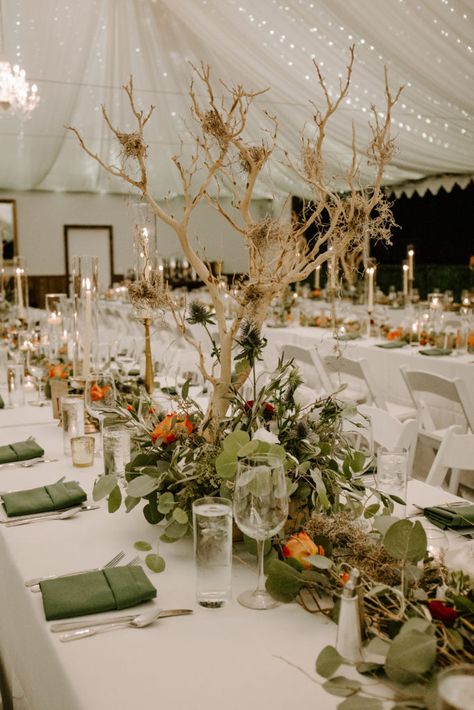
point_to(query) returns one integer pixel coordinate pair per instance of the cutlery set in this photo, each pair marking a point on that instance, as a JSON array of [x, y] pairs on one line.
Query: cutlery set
[[45, 517], [29, 463]]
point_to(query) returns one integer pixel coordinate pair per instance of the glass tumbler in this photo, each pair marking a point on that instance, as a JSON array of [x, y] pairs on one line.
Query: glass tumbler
[[212, 527], [15, 384], [392, 475], [116, 447]]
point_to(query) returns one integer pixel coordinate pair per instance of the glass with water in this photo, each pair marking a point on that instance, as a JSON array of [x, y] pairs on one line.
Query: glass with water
[[116, 443], [392, 475], [212, 526]]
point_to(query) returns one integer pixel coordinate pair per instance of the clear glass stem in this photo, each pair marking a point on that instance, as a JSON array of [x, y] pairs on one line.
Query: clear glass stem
[[261, 563]]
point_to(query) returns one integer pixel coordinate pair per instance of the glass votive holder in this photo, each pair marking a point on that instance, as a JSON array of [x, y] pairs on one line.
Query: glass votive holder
[[72, 417], [392, 476], [82, 451], [15, 384], [116, 447], [455, 688]]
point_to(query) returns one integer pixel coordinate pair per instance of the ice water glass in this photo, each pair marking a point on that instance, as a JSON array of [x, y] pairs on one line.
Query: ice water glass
[[82, 451], [15, 384], [116, 443], [392, 475], [212, 527]]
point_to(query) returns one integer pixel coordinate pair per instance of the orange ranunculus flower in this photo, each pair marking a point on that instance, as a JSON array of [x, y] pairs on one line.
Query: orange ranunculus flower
[[58, 372], [345, 576], [394, 334], [300, 546], [171, 427], [97, 392]]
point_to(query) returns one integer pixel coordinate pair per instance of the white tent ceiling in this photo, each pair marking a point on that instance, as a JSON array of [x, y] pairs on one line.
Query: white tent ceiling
[[80, 52]]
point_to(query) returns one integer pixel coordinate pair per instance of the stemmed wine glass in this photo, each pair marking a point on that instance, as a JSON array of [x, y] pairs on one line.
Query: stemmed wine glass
[[260, 511], [100, 397]]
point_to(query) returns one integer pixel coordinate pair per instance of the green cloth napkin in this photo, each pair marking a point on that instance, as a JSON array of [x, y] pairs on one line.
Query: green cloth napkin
[[390, 344], [20, 451], [450, 516], [95, 592], [435, 352], [57, 496], [347, 336]]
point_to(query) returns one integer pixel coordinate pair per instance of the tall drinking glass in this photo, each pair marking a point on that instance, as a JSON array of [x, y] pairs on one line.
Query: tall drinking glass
[[260, 511], [392, 476]]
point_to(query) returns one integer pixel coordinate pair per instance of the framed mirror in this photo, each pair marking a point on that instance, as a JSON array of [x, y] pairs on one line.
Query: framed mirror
[[8, 232]]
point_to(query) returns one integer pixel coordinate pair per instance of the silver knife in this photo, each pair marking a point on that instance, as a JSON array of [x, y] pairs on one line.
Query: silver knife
[[38, 459], [111, 620], [53, 515]]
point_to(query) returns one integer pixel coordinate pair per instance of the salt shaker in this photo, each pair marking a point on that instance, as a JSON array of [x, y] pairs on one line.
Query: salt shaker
[[348, 642]]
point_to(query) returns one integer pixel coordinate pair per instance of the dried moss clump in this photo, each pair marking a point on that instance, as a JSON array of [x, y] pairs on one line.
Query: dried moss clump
[[133, 145]]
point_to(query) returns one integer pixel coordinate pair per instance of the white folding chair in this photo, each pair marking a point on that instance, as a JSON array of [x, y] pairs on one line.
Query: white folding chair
[[456, 452], [425, 385], [358, 369], [390, 433], [311, 370]]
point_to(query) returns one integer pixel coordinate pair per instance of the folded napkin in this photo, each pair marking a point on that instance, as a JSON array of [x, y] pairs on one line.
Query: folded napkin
[[390, 344], [95, 592], [57, 496], [347, 336], [435, 352], [20, 451], [450, 516]]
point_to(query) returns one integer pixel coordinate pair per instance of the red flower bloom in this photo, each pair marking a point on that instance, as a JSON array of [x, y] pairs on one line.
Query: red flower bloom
[[268, 409], [442, 612]]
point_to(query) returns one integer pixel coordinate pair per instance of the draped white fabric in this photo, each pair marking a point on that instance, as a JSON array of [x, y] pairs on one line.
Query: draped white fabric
[[80, 53]]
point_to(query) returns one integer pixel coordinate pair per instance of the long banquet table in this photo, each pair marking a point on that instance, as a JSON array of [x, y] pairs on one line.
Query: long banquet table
[[231, 657]]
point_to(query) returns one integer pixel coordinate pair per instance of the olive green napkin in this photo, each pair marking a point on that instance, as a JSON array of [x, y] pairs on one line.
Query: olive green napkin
[[391, 344], [435, 352], [347, 336], [20, 451], [57, 496], [450, 516], [95, 592]]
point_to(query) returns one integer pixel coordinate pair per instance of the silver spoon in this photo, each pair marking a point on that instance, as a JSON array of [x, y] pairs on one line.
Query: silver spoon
[[138, 622]]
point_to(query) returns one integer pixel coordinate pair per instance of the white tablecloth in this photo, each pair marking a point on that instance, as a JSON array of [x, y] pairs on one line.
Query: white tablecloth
[[230, 657]]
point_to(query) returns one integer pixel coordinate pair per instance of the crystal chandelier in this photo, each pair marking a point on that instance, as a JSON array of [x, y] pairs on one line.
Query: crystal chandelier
[[16, 94]]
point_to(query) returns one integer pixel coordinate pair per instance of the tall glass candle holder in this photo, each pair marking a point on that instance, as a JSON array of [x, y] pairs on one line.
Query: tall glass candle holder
[[148, 279], [54, 323], [20, 287], [85, 280]]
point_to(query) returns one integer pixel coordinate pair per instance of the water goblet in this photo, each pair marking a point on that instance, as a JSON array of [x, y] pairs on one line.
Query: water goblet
[[260, 511], [100, 398]]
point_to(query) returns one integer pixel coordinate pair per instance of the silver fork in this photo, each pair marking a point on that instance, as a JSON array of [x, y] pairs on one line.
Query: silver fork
[[134, 561], [33, 583]]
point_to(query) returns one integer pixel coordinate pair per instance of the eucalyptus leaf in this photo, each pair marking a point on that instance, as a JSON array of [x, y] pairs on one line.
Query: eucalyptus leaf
[[234, 441], [226, 464], [166, 503], [328, 661], [176, 530], [371, 510], [367, 668], [141, 486], [319, 561], [155, 563], [383, 522], [104, 486], [378, 647], [114, 500], [405, 540], [151, 513], [142, 545], [283, 582], [341, 686], [418, 624], [248, 449], [410, 655], [130, 503], [180, 516]]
